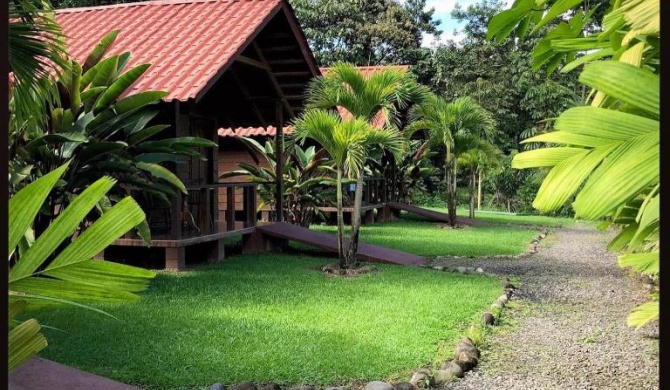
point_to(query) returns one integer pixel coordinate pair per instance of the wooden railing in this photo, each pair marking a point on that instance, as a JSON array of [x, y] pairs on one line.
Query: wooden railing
[[197, 214]]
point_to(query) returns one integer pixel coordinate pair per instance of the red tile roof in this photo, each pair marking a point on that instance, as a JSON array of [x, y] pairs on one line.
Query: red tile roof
[[271, 131], [188, 42]]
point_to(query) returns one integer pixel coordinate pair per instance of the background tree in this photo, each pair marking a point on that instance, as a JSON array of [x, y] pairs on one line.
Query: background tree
[[456, 126], [364, 32]]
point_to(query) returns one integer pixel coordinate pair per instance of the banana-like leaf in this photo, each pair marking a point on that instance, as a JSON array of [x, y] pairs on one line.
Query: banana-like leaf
[[587, 58], [100, 49], [635, 86], [643, 314], [145, 133], [90, 96], [119, 86], [62, 227], [503, 23], [567, 138], [162, 173], [55, 138], [24, 341], [24, 205], [157, 158], [105, 72], [138, 100]]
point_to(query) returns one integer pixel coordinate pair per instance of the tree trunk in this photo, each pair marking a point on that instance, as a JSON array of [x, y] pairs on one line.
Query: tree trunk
[[355, 223], [340, 220], [473, 179], [479, 192], [451, 192]]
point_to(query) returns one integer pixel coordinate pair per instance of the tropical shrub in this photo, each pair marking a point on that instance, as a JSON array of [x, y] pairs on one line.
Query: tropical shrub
[[305, 174], [608, 158], [103, 133], [51, 268]]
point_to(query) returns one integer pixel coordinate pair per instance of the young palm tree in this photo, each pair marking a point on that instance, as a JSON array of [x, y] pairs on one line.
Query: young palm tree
[[376, 100], [347, 142], [457, 126], [475, 160]]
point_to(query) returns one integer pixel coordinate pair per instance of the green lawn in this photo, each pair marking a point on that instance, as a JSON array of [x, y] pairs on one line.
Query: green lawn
[[273, 318], [509, 218], [431, 239]]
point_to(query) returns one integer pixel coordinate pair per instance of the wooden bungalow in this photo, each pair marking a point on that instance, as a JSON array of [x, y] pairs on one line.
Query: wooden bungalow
[[227, 64], [232, 151]]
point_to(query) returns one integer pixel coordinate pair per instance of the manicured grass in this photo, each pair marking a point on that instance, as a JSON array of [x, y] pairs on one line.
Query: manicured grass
[[508, 218], [273, 318], [431, 239]]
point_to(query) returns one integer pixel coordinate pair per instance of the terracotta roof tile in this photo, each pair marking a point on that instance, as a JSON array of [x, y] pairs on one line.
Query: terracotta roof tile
[[270, 131], [187, 41]]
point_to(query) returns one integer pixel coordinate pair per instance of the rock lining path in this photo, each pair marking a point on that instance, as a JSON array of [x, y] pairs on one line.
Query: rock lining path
[[570, 332]]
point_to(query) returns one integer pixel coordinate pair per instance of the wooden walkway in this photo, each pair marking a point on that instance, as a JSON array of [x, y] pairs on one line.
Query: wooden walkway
[[42, 374], [434, 215], [328, 242]]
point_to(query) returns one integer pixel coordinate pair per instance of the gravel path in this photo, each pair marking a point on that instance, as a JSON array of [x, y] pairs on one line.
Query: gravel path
[[569, 317]]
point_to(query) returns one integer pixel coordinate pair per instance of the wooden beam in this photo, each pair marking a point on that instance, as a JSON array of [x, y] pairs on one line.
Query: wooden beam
[[293, 97], [252, 62], [293, 73], [247, 96], [287, 61], [273, 79], [273, 49]]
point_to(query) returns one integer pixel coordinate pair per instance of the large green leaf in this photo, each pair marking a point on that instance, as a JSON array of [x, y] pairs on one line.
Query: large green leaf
[[119, 86], [162, 173], [630, 168], [72, 291], [138, 100], [100, 49], [24, 341], [124, 216], [503, 23], [546, 157], [635, 86], [604, 123], [105, 73], [24, 205], [566, 177], [643, 314], [105, 274], [559, 8], [644, 263], [145, 133], [62, 227]]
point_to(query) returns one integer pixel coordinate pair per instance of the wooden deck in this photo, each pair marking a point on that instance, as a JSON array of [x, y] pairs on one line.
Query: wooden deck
[[328, 242], [191, 238], [434, 215]]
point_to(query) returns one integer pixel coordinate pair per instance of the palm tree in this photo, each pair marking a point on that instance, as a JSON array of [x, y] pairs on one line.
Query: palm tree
[[476, 160], [376, 100], [457, 126], [347, 143], [36, 48]]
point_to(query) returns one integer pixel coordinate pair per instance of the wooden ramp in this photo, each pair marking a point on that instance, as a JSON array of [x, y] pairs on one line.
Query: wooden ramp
[[434, 215], [328, 242]]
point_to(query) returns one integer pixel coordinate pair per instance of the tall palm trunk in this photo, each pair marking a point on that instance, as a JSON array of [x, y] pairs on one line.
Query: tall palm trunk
[[355, 223], [473, 179], [340, 220], [479, 191], [451, 191]]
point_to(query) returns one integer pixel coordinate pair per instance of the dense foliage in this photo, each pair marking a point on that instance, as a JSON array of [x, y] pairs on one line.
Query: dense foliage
[[606, 153]]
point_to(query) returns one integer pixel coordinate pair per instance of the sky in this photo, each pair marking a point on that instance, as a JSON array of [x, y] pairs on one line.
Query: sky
[[443, 10]]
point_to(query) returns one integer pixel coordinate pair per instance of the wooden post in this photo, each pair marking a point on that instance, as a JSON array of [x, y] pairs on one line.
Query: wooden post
[[279, 149], [175, 258], [230, 208]]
